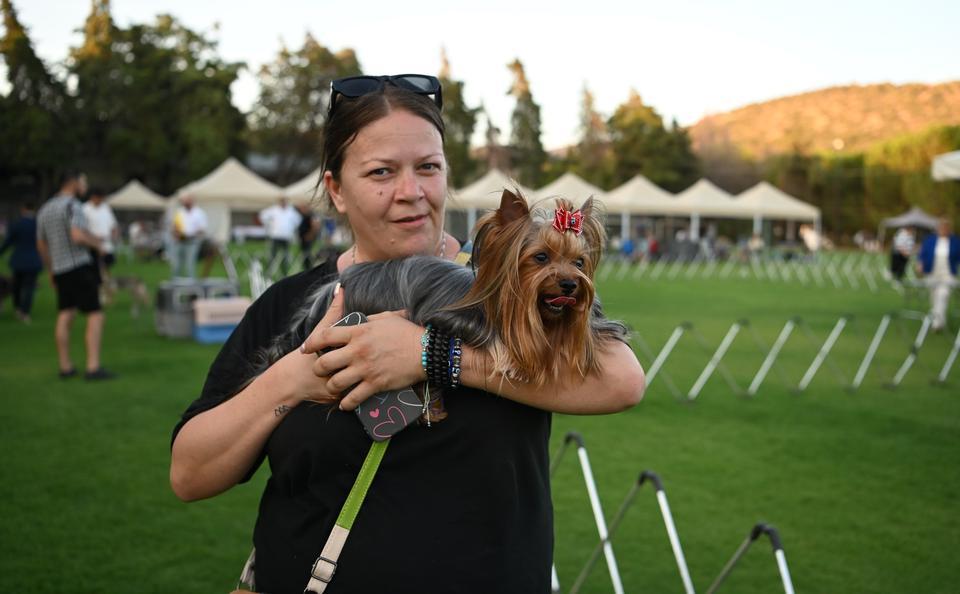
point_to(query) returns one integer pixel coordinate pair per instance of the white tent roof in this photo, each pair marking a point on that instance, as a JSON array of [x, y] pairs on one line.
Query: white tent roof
[[706, 199], [485, 192], [640, 196], [234, 185], [136, 196], [946, 166], [303, 189], [572, 187], [769, 202]]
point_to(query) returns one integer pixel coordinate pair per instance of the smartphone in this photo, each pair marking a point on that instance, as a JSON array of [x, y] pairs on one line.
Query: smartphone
[[385, 414]]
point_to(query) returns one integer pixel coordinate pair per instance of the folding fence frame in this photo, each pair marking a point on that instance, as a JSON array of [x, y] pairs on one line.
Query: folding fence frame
[[778, 554], [942, 377], [595, 505], [606, 533]]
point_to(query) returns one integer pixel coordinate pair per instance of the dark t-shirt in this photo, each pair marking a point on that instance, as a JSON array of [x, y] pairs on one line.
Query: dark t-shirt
[[462, 506]]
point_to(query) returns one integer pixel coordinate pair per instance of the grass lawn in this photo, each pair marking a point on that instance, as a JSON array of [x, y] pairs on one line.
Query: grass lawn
[[862, 486]]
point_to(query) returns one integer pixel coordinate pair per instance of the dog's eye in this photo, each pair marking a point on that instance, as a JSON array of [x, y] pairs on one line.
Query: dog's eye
[[542, 258], [578, 263]]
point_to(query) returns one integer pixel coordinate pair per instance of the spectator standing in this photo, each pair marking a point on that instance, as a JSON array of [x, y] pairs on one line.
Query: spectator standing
[[189, 227], [103, 225], [64, 242], [281, 221], [307, 232], [25, 260], [903, 245], [939, 258]]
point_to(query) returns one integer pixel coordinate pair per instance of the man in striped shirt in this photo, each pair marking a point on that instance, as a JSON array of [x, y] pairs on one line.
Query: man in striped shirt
[[64, 241]]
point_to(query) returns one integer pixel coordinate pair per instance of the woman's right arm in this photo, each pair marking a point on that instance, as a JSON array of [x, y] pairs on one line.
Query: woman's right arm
[[214, 450]]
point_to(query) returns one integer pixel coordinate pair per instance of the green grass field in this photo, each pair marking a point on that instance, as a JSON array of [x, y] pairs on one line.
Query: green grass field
[[862, 486]]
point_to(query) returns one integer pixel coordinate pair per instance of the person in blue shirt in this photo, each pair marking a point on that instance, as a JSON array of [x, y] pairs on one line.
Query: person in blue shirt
[[25, 260], [938, 261]]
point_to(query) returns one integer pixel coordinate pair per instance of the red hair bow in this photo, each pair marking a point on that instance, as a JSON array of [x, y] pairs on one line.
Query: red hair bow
[[565, 220]]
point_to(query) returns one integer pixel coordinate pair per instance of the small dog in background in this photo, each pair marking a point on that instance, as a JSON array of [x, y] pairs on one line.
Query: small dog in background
[[529, 299], [133, 285]]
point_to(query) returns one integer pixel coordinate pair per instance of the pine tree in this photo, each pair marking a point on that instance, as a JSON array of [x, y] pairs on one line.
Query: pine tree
[[591, 156], [460, 122], [35, 136], [529, 156], [288, 118]]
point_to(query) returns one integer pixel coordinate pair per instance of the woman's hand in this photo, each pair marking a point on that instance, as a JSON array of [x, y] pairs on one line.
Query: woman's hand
[[383, 354]]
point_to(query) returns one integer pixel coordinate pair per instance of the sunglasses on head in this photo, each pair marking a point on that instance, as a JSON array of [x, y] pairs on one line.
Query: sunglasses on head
[[357, 86]]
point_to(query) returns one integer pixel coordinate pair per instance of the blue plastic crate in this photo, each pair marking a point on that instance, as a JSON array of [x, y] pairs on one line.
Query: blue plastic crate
[[212, 333]]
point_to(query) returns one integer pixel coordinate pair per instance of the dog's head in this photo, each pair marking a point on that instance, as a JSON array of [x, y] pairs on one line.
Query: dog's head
[[535, 282]]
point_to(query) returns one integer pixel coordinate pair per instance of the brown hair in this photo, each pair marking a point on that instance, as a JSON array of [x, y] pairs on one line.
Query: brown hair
[[353, 115]]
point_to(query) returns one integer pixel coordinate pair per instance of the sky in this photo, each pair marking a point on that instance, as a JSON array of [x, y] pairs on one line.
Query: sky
[[686, 58]]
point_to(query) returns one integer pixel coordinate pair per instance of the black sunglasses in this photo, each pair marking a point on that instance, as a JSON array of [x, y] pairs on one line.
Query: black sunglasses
[[357, 86]]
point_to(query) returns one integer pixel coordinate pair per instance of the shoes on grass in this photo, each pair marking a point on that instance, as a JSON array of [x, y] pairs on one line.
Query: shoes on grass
[[68, 373], [99, 374]]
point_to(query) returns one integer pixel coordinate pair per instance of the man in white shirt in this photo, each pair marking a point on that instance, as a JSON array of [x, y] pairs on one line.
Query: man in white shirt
[[189, 227], [103, 225], [281, 221]]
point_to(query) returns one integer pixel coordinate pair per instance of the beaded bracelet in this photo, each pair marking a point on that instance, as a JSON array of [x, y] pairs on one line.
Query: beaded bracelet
[[424, 346], [437, 370], [455, 356]]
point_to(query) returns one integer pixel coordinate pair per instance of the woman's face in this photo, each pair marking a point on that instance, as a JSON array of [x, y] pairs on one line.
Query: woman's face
[[392, 187]]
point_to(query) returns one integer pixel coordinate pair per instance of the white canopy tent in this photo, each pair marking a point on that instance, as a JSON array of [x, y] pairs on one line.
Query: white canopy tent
[[706, 199], [766, 201], [946, 166], [572, 187], [230, 188], [484, 194], [136, 196], [639, 196], [303, 189]]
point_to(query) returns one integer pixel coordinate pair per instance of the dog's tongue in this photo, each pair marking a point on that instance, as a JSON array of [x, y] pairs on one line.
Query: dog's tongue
[[562, 300]]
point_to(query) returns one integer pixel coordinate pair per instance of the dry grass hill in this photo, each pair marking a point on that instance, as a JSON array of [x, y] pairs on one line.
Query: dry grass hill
[[848, 118]]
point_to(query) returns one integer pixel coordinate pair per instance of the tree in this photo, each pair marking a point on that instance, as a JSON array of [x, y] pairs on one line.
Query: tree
[[35, 131], [154, 101], [460, 122], [591, 158], [529, 156], [288, 118], [641, 144]]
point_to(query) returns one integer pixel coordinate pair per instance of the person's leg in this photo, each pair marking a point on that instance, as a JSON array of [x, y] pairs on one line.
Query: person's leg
[[93, 339], [16, 291], [62, 339], [192, 252], [176, 258], [285, 257], [939, 293], [27, 290]]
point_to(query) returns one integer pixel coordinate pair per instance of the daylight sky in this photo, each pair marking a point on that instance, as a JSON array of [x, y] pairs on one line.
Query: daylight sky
[[687, 58]]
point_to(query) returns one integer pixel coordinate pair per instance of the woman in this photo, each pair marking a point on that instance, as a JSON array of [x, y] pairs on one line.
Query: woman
[[24, 261], [938, 261], [462, 505]]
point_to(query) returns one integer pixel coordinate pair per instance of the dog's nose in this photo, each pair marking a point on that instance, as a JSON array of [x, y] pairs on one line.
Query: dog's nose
[[568, 286]]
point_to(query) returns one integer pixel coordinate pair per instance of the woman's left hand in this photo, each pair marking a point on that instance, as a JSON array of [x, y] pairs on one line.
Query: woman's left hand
[[383, 354]]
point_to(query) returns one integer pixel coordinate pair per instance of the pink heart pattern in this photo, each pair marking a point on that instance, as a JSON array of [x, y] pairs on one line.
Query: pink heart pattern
[[395, 420]]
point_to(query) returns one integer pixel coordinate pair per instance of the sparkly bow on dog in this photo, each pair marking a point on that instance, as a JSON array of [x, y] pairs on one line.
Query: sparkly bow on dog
[[566, 220]]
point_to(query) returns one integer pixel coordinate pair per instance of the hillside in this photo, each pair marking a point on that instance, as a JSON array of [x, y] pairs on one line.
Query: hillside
[[847, 118]]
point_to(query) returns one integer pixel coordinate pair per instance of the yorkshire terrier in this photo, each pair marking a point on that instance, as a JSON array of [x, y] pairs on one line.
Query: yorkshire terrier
[[528, 299]]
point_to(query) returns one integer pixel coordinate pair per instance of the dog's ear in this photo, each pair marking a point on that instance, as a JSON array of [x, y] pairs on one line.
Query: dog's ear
[[587, 208], [512, 207]]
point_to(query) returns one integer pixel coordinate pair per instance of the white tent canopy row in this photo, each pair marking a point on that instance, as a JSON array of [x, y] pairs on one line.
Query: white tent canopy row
[[946, 166], [233, 188]]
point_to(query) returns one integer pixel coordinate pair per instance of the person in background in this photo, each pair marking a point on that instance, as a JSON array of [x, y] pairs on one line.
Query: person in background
[[25, 260], [64, 243], [103, 225], [307, 232], [901, 252], [281, 221], [189, 228], [938, 261]]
